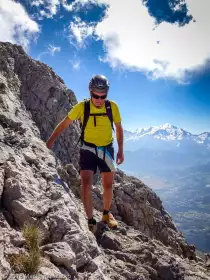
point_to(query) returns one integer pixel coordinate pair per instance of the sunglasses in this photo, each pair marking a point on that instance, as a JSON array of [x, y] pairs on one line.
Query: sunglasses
[[97, 96]]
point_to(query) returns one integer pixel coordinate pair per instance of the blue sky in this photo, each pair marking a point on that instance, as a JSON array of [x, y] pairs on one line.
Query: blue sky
[[154, 53]]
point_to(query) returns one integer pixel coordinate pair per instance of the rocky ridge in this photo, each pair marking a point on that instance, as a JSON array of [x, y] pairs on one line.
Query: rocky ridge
[[43, 187]]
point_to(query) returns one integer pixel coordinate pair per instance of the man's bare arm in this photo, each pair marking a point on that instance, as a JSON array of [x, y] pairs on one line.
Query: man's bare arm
[[119, 135], [58, 130], [120, 138]]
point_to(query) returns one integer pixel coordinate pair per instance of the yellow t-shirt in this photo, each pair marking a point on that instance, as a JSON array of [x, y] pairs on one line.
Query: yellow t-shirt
[[101, 134]]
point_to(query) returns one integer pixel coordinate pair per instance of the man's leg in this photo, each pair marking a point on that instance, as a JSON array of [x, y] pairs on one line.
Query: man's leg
[[86, 191], [107, 182]]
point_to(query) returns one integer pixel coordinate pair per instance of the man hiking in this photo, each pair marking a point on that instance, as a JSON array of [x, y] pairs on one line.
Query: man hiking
[[97, 116]]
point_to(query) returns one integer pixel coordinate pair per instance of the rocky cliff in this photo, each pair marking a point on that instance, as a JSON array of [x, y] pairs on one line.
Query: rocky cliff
[[42, 187]]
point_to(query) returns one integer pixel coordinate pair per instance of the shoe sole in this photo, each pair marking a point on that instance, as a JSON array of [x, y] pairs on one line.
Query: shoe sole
[[111, 227], [93, 229]]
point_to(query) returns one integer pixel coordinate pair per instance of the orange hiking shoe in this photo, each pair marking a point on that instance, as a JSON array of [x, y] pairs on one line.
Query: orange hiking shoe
[[110, 220]]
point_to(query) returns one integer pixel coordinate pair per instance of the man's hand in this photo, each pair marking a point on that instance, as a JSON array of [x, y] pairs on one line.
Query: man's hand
[[49, 144], [58, 130], [120, 157]]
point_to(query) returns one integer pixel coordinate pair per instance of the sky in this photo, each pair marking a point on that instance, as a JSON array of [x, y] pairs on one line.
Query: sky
[[155, 54]]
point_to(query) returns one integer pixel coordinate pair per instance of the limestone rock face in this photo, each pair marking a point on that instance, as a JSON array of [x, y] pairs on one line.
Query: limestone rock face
[[28, 85], [42, 187]]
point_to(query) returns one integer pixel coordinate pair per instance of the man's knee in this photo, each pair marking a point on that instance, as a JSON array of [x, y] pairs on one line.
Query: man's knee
[[86, 178], [108, 179]]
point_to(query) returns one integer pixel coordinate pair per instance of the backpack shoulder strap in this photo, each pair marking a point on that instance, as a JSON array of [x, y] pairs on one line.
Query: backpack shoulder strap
[[86, 117], [109, 112]]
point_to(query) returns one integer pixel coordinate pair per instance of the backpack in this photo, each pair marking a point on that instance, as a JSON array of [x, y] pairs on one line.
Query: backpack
[[87, 114]]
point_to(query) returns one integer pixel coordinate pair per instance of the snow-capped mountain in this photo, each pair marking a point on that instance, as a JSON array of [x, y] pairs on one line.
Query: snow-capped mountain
[[167, 133], [164, 150]]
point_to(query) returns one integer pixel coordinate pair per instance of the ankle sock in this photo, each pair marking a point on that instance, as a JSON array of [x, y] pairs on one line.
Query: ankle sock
[[92, 221], [105, 212]]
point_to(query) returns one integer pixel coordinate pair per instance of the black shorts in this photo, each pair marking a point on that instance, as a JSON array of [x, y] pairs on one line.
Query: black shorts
[[92, 157]]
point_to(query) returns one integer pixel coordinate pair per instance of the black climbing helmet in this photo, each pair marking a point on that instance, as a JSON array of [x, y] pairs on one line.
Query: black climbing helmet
[[99, 83]]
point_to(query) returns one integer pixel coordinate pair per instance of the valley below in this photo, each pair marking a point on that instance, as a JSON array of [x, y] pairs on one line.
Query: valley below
[[186, 196]]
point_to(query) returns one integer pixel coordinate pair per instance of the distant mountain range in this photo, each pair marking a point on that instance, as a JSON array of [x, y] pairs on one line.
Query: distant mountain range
[[164, 136], [160, 150]]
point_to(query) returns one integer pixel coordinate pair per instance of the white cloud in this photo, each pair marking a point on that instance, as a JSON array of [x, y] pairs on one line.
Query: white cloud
[[79, 31], [50, 7], [132, 40], [51, 50], [43, 14], [76, 64], [78, 4], [37, 3], [16, 25]]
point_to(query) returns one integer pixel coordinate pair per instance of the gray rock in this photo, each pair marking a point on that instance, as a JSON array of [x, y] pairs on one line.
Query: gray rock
[[42, 187], [4, 265], [60, 253]]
